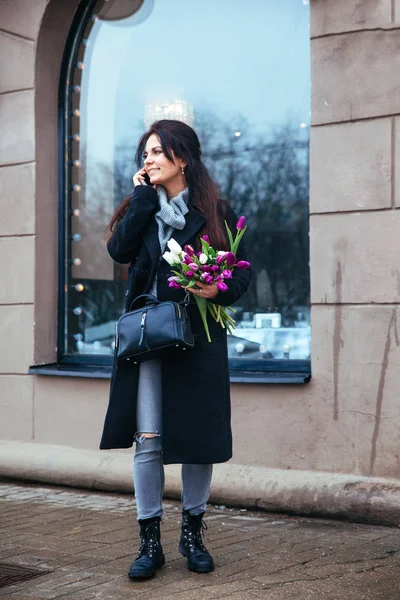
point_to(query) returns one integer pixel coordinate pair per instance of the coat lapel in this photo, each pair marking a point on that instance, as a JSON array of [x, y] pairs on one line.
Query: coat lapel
[[150, 239], [194, 222]]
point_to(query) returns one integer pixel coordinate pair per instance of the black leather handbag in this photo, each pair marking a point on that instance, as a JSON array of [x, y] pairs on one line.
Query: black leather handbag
[[152, 330]]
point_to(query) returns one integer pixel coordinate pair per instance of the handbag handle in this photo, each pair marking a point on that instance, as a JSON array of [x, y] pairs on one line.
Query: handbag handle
[[151, 300]]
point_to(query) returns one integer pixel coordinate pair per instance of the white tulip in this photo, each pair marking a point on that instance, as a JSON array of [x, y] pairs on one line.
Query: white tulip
[[203, 258], [171, 258], [174, 246], [221, 252]]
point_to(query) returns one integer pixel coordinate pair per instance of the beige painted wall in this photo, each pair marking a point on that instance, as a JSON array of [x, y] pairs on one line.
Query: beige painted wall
[[347, 419]]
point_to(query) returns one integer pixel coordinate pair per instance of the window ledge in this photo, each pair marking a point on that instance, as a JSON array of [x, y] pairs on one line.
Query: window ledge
[[68, 370], [265, 377], [104, 372]]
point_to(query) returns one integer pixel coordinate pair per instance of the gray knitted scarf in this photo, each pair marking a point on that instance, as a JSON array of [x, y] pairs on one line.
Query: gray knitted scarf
[[171, 214]]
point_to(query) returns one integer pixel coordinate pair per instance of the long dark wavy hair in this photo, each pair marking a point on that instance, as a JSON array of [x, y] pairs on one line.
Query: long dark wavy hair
[[179, 138]]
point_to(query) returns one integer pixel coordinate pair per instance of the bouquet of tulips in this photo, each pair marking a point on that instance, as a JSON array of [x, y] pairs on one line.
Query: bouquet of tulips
[[210, 267]]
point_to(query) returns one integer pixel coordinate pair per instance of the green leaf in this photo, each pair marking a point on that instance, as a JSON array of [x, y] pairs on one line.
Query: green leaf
[[202, 306], [229, 235], [238, 239], [205, 246]]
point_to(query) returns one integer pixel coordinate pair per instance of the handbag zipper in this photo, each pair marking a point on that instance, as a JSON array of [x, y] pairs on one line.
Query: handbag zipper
[[142, 325]]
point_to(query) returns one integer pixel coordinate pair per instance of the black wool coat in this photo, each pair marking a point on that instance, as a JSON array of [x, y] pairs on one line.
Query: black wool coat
[[195, 384]]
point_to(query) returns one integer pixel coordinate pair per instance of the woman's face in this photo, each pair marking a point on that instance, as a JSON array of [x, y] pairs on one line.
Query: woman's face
[[158, 167]]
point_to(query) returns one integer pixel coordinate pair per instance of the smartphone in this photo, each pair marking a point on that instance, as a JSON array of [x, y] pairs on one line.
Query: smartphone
[[146, 179]]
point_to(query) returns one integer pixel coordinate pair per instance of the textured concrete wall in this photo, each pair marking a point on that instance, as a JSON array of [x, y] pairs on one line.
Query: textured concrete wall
[[32, 38], [19, 28], [354, 230], [346, 419]]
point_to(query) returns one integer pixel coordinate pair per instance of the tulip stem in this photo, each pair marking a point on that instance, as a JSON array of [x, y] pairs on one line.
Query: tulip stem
[[202, 306]]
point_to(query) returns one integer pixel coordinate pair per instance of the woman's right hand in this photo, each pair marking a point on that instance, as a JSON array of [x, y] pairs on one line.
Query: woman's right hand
[[138, 178]]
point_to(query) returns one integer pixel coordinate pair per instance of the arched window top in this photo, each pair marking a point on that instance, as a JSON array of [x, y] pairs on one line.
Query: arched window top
[[239, 73]]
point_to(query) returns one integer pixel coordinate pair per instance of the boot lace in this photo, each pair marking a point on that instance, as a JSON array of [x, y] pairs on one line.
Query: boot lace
[[149, 541], [193, 534]]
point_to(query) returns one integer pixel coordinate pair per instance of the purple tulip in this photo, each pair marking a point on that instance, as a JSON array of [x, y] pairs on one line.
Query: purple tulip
[[189, 250], [173, 278], [226, 274], [241, 223], [206, 269], [173, 284], [187, 259], [222, 286], [230, 259], [220, 258], [206, 238], [207, 278], [243, 264], [215, 269], [193, 266], [189, 274]]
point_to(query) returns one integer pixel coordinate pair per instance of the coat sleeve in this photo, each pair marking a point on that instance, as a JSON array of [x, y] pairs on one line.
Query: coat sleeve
[[124, 244], [240, 277]]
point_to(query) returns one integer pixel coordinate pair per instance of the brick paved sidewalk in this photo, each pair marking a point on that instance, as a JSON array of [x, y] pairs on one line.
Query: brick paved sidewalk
[[85, 541]]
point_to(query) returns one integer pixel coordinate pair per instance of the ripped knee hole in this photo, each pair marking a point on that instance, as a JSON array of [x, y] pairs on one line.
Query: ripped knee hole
[[140, 437]]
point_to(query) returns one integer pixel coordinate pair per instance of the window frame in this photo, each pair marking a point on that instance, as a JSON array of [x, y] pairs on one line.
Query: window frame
[[241, 370]]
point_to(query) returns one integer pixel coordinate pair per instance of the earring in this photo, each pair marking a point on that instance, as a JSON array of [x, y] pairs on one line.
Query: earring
[[183, 171]]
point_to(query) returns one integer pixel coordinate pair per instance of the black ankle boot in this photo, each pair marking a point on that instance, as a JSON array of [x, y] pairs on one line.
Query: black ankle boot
[[150, 556], [191, 543]]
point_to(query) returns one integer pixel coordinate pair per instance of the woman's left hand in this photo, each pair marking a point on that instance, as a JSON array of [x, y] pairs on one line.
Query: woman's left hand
[[204, 290]]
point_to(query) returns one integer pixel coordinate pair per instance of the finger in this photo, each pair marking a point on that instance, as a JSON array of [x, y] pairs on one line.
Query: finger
[[202, 288], [193, 291], [137, 178]]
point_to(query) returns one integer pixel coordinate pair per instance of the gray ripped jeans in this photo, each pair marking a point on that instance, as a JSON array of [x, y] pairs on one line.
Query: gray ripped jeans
[[148, 470]]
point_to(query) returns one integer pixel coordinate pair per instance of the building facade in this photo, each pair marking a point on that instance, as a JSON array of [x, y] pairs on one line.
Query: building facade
[[54, 375]]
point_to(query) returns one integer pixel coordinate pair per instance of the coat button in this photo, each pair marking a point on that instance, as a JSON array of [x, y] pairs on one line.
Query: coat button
[[127, 293]]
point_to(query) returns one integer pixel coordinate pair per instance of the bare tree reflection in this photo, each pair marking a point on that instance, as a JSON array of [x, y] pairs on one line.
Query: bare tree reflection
[[266, 179]]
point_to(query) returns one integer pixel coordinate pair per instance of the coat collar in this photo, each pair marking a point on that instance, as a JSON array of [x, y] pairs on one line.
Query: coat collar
[[194, 223]]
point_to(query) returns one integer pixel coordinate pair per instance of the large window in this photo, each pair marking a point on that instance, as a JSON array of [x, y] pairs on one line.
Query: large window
[[239, 73]]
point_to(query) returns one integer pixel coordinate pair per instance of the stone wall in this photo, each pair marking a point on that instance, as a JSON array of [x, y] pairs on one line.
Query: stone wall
[[355, 276], [19, 22]]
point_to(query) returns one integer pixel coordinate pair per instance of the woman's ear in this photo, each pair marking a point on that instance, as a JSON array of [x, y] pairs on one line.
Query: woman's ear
[[183, 164]]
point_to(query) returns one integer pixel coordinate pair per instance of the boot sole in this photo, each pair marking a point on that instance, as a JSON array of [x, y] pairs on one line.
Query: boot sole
[[147, 574], [205, 569]]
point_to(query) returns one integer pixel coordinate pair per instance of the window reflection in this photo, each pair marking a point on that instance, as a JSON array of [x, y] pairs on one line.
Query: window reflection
[[241, 78]]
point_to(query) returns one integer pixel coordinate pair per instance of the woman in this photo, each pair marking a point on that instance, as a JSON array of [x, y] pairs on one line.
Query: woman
[[176, 408]]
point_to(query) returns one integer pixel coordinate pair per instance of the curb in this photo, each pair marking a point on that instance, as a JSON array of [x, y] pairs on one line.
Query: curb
[[308, 493]]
